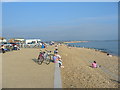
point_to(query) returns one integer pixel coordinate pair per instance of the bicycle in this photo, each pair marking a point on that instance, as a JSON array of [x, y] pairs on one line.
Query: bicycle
[[44, 56], [40, 58], [48, 57]]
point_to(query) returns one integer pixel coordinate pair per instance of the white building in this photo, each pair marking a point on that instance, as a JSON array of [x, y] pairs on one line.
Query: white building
[[20, 39], [32, 41], [4, 40]]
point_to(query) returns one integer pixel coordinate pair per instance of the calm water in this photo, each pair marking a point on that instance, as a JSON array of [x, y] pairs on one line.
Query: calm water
[[107, 46]]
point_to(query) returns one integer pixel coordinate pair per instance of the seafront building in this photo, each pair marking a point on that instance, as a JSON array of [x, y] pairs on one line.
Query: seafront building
[[2, 39], [16, 40], [32, 41]]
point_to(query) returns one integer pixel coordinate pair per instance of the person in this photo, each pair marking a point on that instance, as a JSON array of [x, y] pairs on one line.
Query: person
[[54, 58], [109, 55], [3, 48], [94, 64], [15, 47], [56, 51], [59, 60], [43, 46], [56, 46]]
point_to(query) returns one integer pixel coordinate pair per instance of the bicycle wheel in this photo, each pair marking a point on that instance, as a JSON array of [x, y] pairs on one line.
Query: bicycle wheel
[[47, 60], [40, 60]]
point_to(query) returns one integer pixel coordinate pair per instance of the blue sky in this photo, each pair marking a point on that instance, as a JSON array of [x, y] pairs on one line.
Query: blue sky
[[61, 20]]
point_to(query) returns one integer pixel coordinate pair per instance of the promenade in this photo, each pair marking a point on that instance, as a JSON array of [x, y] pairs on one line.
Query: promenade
[[20, 70]]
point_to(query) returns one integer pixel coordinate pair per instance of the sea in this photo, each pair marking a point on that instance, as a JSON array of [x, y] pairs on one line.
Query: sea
[[108, 46]]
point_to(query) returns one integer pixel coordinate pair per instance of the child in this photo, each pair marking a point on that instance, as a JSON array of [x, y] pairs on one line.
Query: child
[[94, 64]]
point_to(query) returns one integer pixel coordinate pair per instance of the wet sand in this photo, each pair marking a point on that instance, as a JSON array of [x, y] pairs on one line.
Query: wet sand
[[78, 73]]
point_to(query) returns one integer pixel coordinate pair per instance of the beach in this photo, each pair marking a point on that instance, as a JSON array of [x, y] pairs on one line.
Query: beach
[[21, 71], [79, 74]]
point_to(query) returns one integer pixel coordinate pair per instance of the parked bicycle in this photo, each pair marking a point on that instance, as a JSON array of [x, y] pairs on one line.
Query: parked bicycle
[[45, 57]]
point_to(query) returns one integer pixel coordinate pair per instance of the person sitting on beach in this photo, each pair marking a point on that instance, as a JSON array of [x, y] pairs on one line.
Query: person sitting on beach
[[59, 60], [54, 58], [56, 46], [15, 47], [56, 51], [94, 64], [109, 55]]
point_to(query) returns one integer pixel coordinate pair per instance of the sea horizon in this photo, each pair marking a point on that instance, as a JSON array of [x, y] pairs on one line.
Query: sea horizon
[[107, 46]]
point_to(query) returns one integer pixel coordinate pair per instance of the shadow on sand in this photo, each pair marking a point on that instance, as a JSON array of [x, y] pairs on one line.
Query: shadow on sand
[[36, 60]]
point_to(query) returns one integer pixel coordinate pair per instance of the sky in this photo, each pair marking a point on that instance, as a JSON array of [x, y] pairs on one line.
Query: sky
[[60, 20], [59, 0]]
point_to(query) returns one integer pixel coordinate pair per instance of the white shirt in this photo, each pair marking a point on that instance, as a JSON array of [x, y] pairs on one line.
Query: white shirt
[[58, 56]]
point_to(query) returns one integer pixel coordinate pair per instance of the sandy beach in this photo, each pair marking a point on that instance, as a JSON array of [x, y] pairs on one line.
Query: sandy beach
[[79, 74], [20, 70]]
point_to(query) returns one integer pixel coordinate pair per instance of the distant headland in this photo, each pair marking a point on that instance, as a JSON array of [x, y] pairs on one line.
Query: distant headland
[[76, 41]]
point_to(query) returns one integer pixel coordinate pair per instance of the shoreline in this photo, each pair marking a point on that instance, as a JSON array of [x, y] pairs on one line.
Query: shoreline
[[78, 73], [101, 51], [96, 49]]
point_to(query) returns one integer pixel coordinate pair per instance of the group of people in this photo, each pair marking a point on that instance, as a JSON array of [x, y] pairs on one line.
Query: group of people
[[57, 58], [4, 48]]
